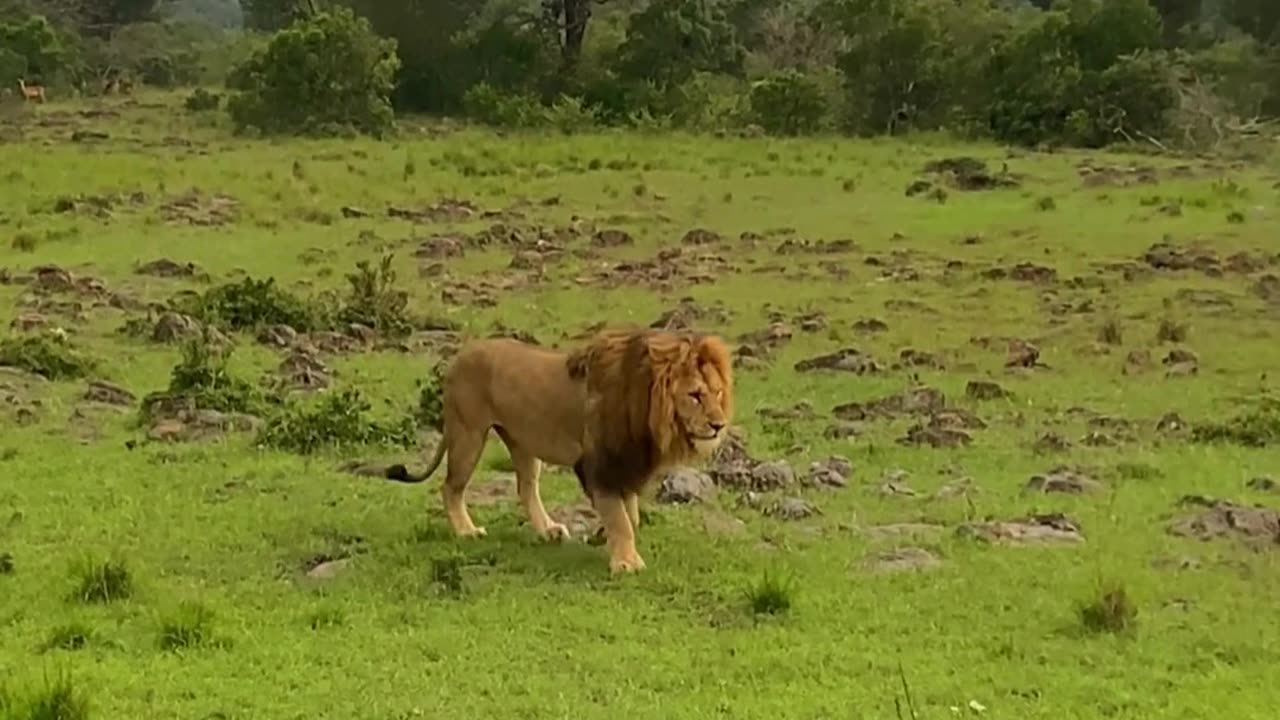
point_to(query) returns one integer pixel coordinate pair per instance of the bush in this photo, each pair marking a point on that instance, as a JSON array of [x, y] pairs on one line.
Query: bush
[[318, 76], [485, 103], [788, 103], [31, 50], [251, 304], [670, 40], [201, 376], [373, 300], [430, 410], [201, 100], [338, 420], [49, 356]]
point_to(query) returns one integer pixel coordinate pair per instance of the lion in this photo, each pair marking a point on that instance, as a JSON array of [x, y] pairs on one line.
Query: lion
[[656, 399], [625, 405]]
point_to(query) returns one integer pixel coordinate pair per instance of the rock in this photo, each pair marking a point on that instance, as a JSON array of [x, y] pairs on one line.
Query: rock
[[833, 472], [1049, 529], [685, 485], [1221, 518], [612, 238], [772, 475], [1171, 423], [935, 436], [166, 268], [175, 327], [1051, 442], [700, 236], [279, 335], [845, 360], [791, 508], [29, 321], [802, 410], [1063, 480], [1022, 354], [328, 569], [106, 393]]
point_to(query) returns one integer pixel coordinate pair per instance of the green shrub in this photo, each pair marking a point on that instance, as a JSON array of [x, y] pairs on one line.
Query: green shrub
[[201, 100], [788, 103], [338, 420], [320, 75], [251, 304], [486, 104], [47, 355], [373, 300], [202, 377]]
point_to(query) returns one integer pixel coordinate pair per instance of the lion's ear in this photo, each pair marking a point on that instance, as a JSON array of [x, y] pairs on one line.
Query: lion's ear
[[711, 350]]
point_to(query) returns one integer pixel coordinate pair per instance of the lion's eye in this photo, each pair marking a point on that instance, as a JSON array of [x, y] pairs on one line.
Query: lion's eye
[[696, 395]]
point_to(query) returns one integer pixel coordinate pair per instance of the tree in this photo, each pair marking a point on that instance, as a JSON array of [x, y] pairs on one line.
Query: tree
[[670, 40], [320, 75]]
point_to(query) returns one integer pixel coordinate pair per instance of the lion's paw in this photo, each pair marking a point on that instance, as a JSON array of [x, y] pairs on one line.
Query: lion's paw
[[619, 566], [475, 532], [555, 532]]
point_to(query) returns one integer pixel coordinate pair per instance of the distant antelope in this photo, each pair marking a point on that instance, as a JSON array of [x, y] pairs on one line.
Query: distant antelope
[[31, 92]]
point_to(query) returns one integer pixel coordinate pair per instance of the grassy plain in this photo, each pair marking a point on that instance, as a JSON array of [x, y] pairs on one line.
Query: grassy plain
[[217, 535]]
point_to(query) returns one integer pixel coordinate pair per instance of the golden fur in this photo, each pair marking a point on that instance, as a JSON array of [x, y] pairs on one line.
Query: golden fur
[[655, 399], [623, 406]]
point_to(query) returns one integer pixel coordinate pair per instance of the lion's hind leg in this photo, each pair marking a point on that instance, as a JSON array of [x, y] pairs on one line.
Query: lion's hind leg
[[464, 453], [528, 471]]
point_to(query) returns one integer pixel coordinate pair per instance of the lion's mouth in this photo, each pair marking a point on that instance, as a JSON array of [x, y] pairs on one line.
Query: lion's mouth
[[703, 438]]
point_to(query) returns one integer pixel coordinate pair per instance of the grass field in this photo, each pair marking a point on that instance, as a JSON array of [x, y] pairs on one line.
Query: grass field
[[266, 584]]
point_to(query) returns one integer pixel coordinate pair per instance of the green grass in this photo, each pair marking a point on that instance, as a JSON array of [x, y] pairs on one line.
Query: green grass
[[214, 608]]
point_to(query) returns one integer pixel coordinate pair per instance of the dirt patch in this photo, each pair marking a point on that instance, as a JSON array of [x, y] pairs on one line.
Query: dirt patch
[[444, 210], [100, 391], [802, 410], [701, 236], [669, 269], [912, 358], [792, 246], [761, 343], [1047, 529], [1050, 442], [936, 435], [844, 360], [166, 268], [1063, 479], [98, 206], [1023, 272], [902, 560], [985, 390], [687, 314], [609, 238], [920, 400], [193, 208], [303, 370], [869, 326], [1258, 526]]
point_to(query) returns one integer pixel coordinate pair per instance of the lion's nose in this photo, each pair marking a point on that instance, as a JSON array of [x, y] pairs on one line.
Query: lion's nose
[[717, 426]]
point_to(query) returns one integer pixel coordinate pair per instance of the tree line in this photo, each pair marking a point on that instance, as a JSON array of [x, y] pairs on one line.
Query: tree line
[[1075, 72]]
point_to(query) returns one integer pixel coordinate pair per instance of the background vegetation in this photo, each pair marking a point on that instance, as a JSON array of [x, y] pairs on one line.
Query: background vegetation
[[1074, 72]]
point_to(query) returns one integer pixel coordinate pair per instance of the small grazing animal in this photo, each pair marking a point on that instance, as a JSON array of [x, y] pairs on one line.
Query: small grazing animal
[[31, 92]]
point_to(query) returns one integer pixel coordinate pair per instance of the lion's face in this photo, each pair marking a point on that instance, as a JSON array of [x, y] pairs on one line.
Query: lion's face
[[703, 403]]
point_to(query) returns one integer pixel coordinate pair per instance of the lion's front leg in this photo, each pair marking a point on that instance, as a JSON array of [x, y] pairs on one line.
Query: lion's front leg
[[632, 501], [619, 533]]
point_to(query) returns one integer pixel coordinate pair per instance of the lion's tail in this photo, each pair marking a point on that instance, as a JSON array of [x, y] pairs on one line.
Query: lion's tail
[[400, 473]]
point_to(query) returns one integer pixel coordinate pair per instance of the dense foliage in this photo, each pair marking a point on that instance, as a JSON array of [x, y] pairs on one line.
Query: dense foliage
[[1082, 72]]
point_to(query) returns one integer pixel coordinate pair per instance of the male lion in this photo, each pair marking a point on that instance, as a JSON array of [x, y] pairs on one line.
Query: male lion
[[625, 405], [655, 399]]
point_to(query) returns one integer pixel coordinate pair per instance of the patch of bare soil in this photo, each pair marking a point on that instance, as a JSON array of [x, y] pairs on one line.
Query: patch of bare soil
[[1023, 272], [445, 210], [669, 269], [1095, 175], [178, 420], [100, 391], [985, 390], [1063, 479], [98, 206], [701, 236], [688, 314], [1049, 443], [939, 432], [1047, 529], [1258, 526], [793, 246], [20, 391], [903, 559], [912, 358], [194, 208], [303, 370], [843, 360], [761, 343], [870, 326], [166, 268]]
